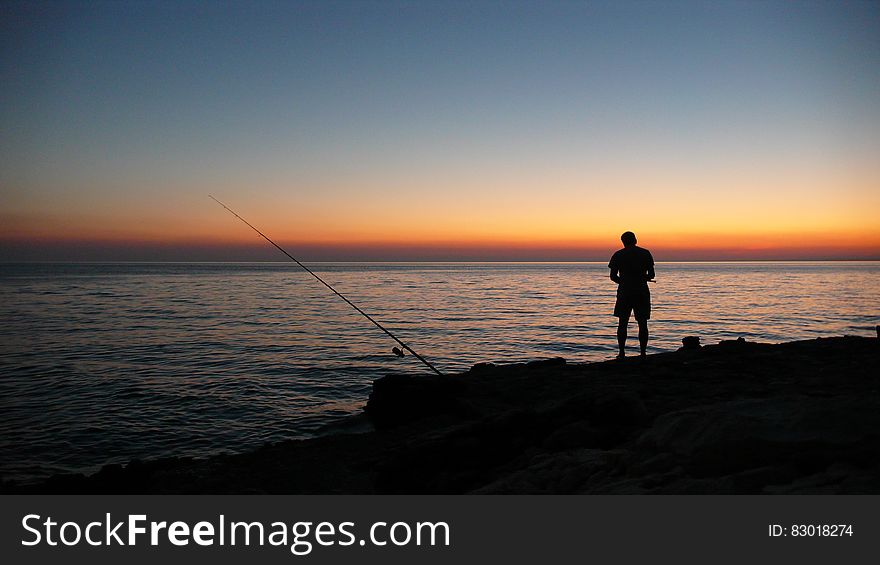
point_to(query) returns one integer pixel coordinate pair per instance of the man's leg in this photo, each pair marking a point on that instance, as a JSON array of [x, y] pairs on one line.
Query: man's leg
[[643, 335], [621, 334]]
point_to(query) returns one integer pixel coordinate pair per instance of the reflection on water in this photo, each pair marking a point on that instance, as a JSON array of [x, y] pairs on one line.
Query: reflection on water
[[103, 363]]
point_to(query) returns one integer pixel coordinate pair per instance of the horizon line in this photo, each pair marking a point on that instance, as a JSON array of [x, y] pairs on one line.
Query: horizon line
[[84, 250], [430, 261]]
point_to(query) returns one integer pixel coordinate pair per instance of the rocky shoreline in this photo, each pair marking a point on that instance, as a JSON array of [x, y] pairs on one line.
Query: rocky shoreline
[[735, 417]]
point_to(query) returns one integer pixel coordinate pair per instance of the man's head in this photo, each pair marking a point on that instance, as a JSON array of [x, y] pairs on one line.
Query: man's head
[[628, 238]]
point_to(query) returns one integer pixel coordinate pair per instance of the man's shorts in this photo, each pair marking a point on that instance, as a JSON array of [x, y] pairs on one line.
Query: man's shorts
[[636, 300]]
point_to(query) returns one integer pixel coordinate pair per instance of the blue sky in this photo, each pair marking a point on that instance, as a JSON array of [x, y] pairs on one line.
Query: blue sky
[[113, 112]]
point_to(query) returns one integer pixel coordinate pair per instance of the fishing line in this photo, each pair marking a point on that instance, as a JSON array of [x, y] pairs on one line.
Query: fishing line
[[396, 351]]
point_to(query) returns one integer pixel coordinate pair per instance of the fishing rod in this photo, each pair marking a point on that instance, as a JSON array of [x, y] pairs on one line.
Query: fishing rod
[[396, 351]]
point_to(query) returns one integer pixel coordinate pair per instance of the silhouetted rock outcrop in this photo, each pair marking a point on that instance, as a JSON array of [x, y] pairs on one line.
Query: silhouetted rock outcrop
[[399, 399], [736, 417], [690, 342]]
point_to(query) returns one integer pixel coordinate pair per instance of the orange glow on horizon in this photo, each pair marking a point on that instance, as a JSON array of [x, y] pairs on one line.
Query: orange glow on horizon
[[664, 246], [225, 229], [569, 217]]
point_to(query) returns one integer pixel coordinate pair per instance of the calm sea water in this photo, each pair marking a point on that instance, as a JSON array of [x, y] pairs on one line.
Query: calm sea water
[[107, 362]]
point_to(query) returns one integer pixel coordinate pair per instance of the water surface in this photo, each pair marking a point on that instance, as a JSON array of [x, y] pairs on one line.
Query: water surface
[[105, 362]]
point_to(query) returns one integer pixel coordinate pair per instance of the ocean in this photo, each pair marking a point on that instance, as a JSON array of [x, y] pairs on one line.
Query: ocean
[[103, 363]]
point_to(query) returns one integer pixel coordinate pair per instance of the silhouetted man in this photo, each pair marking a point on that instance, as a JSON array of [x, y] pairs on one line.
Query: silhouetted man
[[631, 268]]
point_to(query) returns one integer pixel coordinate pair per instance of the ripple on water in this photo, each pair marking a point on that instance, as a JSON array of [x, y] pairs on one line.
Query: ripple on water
[[104, 363]]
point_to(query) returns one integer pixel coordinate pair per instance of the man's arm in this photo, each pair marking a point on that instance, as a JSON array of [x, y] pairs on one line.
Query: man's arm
[[614, 276], [651, 274], [615, 269]]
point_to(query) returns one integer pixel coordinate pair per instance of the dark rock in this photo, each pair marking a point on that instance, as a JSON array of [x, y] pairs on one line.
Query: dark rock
[[660, 463], [511, 421], [552, 473], [742, 417], [73, 482], [838, 478], [575, 407], [398, 399], [618, 410], [553, 362], [729, 437], [459, 460], [754, 481], [691, 342], [576, 434], [482, 367], [111, 471]]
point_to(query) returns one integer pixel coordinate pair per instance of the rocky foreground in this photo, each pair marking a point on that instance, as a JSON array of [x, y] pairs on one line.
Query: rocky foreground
[[736, 417]]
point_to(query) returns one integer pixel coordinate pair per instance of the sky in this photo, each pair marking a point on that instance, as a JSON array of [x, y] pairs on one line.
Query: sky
[[439, 130]]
